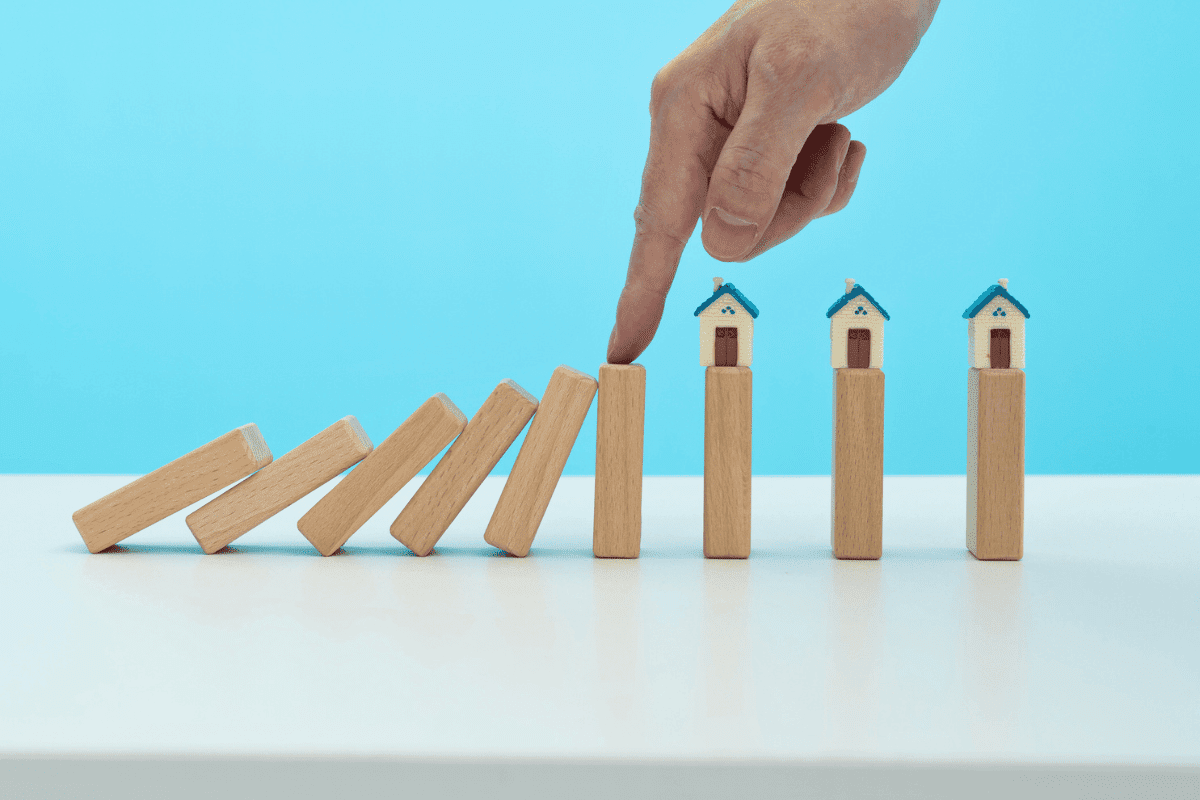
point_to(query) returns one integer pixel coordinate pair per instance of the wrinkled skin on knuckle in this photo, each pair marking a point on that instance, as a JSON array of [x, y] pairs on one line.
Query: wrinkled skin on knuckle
[[798, 67], [648, 222], [745, 170]]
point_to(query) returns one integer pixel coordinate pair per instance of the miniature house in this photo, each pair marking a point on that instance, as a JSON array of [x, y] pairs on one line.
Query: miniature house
[[996, 329], [856, 330], [726, 327]]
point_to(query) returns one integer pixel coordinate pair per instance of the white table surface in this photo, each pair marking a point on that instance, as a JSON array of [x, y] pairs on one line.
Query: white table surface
[[1087, 652]]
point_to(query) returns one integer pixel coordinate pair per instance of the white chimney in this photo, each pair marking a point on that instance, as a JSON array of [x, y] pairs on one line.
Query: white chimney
[[849, 285], [1003, 283], [717, 284]]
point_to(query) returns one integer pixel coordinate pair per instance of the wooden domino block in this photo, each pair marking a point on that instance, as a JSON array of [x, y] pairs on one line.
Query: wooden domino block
[[857, 529], [460, 472], [727, 428], [273, 488], [540, 462], [397, 459], [620, 427], [173, 487], [996, 464]]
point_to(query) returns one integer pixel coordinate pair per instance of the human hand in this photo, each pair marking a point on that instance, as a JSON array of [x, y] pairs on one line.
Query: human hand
[[744, 134]]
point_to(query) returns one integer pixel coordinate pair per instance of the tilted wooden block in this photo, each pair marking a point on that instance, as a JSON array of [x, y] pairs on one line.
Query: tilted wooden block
[[460, 472], [996, 464], [397, 459], [173, 487], [620, 430], [728, 396], [857, 529], [540, 462], [273, 488]]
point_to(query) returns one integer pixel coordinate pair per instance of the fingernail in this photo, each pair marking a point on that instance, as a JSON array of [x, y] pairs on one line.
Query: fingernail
[[727, 236]]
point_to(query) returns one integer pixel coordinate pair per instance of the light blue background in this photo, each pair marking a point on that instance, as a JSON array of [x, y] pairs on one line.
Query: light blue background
[[284, 213]]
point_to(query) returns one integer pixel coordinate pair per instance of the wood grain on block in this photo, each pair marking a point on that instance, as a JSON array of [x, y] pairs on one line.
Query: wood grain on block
[[996, 464], [728, 396], [857, 514], [620, 430], [171, 488], [540, 462], [450, 485], [383, 473], [273, 488]]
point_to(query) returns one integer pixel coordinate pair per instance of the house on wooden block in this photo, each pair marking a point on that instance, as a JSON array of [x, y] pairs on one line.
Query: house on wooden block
[[856, 330], [726, 327], [996, 329]]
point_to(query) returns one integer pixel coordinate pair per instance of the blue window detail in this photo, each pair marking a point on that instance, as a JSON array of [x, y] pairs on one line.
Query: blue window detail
[[728, 310], [860, 310], [999, 312]]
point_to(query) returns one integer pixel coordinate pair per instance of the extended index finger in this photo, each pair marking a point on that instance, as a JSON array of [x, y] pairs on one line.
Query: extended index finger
[[684, 139]]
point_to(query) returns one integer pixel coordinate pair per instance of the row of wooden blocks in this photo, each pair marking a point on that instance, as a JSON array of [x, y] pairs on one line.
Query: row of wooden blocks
[[475, 447]]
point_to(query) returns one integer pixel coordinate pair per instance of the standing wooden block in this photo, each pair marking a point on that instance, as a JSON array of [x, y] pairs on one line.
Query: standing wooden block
[[540, 462], [382, 474], [460, 472], [727, 427], [857, 529], [272, 489], [172, 488], [996, 464], [620, 427]]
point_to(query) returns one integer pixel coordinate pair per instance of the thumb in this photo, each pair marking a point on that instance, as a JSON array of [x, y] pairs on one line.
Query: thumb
[[752, 171]]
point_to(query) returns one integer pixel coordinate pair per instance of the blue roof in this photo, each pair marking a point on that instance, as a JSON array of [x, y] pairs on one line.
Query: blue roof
[[730, 289], [993, 291], [857, 291]]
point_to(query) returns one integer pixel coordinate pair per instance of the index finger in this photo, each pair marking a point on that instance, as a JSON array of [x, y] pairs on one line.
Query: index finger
[[684, 139]]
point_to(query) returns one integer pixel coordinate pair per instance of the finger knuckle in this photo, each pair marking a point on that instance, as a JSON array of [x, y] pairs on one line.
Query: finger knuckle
[[746, 169], [648, 222], [798, 69], [789, 57], [661, 88]]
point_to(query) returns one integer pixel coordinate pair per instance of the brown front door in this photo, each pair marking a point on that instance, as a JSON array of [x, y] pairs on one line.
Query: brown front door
[[858, 348], [1001, 353], [726, 347]]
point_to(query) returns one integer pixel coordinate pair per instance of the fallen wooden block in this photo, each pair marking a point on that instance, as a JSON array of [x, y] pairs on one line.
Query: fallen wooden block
[[728, 396], [857, 485], [620, 430], [383, 473], [460, 472], [540, 462], [273, 488], [173, 487], [996, 464]]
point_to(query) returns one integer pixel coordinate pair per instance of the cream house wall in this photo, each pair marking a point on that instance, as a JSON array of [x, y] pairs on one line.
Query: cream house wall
[[711, 318], [979, 335], [973, 456], [845, 319]]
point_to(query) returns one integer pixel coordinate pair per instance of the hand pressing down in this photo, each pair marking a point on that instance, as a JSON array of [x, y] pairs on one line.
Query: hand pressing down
[[744, 136]]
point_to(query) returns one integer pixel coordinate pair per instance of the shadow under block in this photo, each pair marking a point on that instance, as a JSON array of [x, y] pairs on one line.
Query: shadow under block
[[450, 485], [996, 463], [857, 509], [383, 473], [620, 432], [171, 488], [727, 426], [540, 462], [275, 487]]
